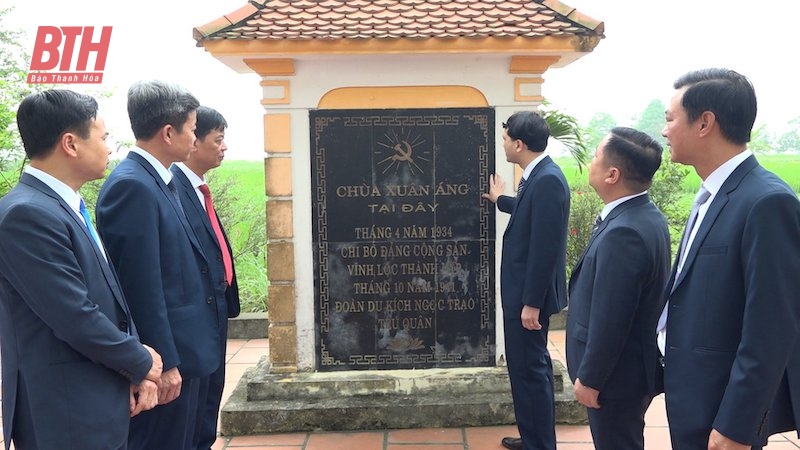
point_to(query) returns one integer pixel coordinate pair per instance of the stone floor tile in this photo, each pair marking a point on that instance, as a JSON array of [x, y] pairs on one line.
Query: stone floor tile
[[657, 438], [248, 355], [427, 435], [656, 415], [488, 438], [781, 446], [576, 434], [284, 439], [367, 440], [257, 343], [425, 447]]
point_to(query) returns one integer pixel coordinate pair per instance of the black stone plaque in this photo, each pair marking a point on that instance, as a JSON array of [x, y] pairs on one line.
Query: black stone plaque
[[404, 244]]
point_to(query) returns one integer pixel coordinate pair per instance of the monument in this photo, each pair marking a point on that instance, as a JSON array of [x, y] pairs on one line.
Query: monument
[[404, 266], [380, 128]]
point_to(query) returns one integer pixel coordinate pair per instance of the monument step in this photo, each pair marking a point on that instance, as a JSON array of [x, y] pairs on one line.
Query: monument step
[[263, 385], [343, 401], [348, 413]]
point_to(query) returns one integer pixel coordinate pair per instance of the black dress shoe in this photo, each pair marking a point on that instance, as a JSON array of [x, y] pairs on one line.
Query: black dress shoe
[[512, 443]]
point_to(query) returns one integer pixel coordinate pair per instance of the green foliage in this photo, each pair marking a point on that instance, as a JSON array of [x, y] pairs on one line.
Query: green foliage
[[668, 193], [240, 203], [585, 205], [759, 140], [790, 140], [600, 125], [565, 129], [652, 121], [13, 87]]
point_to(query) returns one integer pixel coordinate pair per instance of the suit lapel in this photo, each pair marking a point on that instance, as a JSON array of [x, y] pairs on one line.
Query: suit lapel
[[714, 209], [528, 182], [105, 266], [196, 207], [619, 209], [170, 198]]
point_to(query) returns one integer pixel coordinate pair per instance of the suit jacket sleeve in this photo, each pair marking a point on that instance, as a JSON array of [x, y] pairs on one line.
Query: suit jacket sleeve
[[38, 251], [506, 203], [127, 216], [548, 226], [615, 301], [771, 320]]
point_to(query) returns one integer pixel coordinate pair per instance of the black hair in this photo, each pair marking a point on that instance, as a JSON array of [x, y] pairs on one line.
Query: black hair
[[530, 128], [43, 117], [727, 94], [208, 119], [635, 154]]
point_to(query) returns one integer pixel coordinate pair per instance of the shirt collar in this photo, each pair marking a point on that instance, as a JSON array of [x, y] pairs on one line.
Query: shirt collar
[[193, 177], [611, 205], [527, 172], [713, 183], [162, 171], [72, 198]]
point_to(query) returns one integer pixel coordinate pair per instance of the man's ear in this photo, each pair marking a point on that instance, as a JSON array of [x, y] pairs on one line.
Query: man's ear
[[166, 132], [613, 175], [707, 121], [68, 143]]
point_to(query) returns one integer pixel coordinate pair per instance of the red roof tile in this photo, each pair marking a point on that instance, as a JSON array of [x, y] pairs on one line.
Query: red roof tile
[[300, 20]]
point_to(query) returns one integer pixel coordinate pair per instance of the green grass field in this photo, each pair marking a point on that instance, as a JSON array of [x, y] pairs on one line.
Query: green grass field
[[243, 185], [787, 167]]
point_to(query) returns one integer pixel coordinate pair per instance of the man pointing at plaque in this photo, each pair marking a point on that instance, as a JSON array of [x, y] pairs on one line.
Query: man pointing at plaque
[[532, 275]]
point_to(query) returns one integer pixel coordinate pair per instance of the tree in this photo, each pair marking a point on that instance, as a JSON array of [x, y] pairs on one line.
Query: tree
[[759, 140], [13, 87], [600, 125], [652, 121], [565, 129], [790, 140]]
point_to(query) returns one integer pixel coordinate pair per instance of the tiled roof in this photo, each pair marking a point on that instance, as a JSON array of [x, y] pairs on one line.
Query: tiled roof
[[330, 20]]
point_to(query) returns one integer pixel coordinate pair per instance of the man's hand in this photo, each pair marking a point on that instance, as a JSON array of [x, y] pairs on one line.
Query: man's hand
[[170, 387], [585, 395], [143, 397], [496, 186], [530, 318], [716, 441], [154, 374]]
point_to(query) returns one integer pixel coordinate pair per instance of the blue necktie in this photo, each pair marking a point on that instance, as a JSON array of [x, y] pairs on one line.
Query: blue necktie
[[88, 219]]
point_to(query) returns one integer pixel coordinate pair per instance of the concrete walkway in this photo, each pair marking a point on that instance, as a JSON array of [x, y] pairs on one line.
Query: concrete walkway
[[243, 354]]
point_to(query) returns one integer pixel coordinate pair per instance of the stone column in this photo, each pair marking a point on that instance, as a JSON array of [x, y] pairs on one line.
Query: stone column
[[281, 297]]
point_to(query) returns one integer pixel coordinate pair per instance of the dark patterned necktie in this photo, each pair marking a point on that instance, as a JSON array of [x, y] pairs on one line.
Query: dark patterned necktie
[[174, 191], [701, 197], [520, 186]]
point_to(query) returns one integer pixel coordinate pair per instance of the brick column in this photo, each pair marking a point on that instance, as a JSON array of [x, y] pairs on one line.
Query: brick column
[[281, 298]]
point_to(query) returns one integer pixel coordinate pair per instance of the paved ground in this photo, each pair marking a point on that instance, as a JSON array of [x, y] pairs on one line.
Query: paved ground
[[246, 353]]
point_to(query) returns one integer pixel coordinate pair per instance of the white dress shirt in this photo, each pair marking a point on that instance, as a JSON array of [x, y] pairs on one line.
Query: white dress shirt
[[713, 183]]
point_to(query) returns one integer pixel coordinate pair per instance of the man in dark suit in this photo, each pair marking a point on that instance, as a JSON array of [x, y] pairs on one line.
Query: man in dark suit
[[74, 370], [615, 293], [532, 274], [197, 202], [161, 264], [730, 324]]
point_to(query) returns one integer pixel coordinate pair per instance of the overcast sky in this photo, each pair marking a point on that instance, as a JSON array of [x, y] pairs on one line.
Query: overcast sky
[[648, 44]]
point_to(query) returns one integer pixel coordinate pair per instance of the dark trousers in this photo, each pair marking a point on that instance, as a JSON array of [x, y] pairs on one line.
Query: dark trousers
[[531, 373], [210, 398], [169, 426], [619, 423]]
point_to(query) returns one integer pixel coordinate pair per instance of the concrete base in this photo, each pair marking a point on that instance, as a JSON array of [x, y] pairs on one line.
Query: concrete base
[[249, 326], [364, 400]]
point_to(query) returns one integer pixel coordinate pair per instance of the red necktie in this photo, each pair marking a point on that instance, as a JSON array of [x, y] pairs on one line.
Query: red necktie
[[212, 216]]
